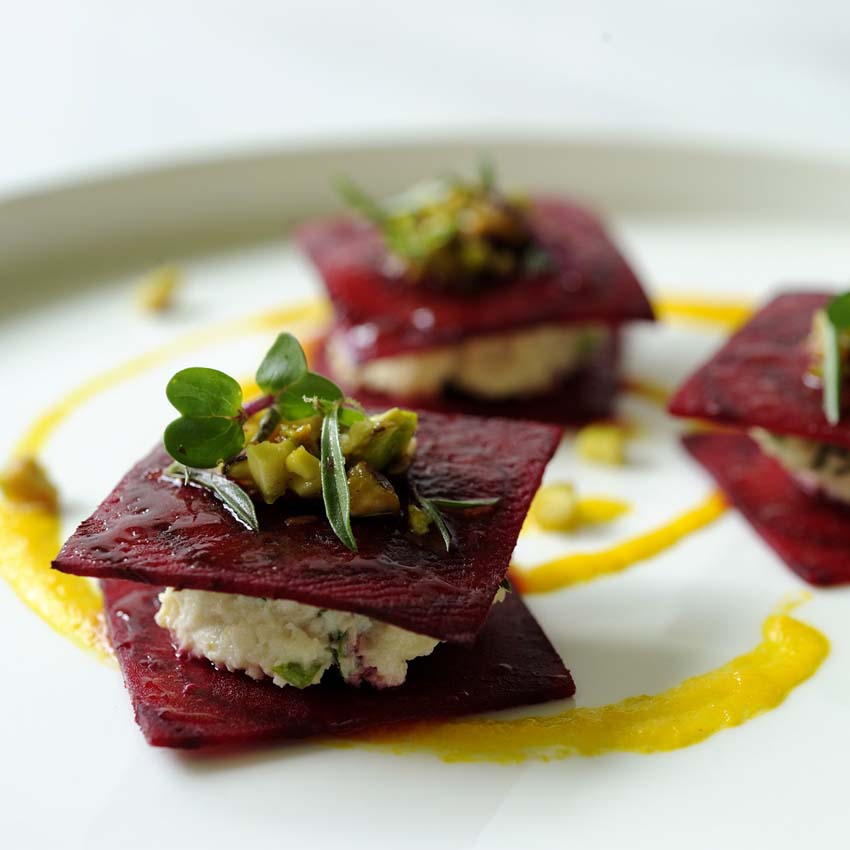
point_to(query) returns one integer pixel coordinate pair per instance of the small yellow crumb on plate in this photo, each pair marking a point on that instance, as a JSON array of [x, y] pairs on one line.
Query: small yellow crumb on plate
[[602, 444], [155, 293]]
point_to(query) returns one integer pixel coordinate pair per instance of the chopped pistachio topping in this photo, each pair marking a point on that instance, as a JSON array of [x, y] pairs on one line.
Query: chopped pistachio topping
[[602, 444], [301, 440], [829, 343], [25, 482], [454, 233], [155, 293], [556, 507]]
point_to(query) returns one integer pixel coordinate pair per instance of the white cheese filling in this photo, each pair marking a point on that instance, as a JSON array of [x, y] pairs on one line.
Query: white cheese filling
[[817, 467], [291, 643], [492, 366]]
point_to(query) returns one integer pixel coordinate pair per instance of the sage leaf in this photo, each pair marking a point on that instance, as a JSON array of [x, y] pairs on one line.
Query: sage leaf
[[229, 493]]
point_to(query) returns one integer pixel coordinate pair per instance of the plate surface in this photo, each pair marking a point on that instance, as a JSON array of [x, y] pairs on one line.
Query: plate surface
[[76, 769]]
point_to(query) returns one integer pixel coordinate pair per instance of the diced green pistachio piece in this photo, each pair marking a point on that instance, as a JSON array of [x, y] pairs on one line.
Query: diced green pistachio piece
[[417, 520], [356, 436], [371, 493], [267, 464], [297, 674], [390, 439], [24, 481], [306, 473]]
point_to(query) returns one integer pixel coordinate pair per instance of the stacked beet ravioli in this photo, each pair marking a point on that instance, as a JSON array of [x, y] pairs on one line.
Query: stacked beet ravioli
[[150, 534]]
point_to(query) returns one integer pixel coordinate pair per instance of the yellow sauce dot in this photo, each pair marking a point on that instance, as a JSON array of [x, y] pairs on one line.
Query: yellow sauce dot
[[556, 507], [584, 566], [749, 685]]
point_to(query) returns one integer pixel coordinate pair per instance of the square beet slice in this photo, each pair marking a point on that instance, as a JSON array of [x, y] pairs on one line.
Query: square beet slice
[[381, 316], [187, 703], [759, 377], [151, 530], [809, 533], [584, 396]]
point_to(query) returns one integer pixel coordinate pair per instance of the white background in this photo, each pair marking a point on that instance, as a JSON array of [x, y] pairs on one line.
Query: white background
[[94, 85]]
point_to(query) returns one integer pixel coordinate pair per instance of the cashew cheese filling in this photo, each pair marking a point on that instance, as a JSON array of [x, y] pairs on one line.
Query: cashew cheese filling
[[492, 366], [291, 643], [816, 467]]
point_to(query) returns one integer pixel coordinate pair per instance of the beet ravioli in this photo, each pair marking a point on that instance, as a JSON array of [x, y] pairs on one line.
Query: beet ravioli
[[781, 380], [455, 297], [296, 566]]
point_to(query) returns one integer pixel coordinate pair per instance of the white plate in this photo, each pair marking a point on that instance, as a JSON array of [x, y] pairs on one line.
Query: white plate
[[76, 771]]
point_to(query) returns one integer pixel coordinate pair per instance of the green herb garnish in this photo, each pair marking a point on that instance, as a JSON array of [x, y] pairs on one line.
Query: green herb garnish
[[297, 674], [235, 499], [335, 493], [837, 321], [453, 233], [435, 505], [211, 450], [210, 430]]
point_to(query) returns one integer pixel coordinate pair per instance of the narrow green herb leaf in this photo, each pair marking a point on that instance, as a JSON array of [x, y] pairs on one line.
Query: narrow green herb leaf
[[334, 482], [359, 200], [204, 392], [283, 365], [436, 517], [297, 674], [506, 585], [234, 498], [203, 443], [832, 377], [487, 174], [838, 319], [460, 504], [291, 402]]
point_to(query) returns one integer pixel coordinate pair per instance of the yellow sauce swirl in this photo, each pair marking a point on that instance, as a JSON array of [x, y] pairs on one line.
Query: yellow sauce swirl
[[585, 566], [789, 653]]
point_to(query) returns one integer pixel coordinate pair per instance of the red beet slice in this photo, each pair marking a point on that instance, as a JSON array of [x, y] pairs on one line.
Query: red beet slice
[[186, 702], [384, 316], [809, 533], [584, 396], [757, 378], [153, 531]]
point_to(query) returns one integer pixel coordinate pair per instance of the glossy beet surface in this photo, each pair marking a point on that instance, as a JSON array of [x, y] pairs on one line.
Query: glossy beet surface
[[382, 316], [809, 533], [759, 377], [585, 396], [186, 702], [152, 530]]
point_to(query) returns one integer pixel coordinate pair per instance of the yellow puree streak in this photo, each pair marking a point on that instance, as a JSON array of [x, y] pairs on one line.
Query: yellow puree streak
[[790, 652], [29, 540], [29, 536], [584, 566]]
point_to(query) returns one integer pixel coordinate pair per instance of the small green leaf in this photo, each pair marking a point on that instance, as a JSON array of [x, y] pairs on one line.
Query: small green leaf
[[505, 585], [460, 504], [283, 365], [203, 443], [349, 415], [334, 482], [359, 200], [291, 402], [297, 674], [838, 312], [234, 498], [204, 392]]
